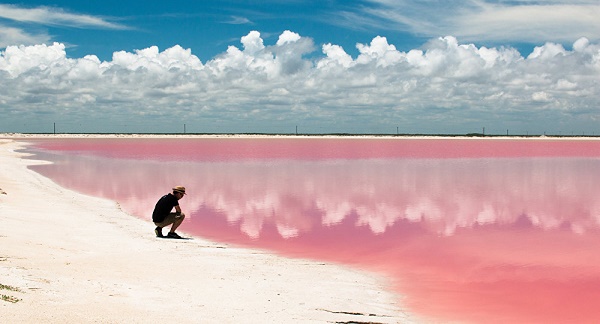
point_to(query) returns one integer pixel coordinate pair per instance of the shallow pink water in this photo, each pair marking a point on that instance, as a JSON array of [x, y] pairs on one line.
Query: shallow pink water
[[467, 230]]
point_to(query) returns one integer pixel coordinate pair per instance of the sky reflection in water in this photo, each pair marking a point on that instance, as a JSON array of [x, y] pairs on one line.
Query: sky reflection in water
[[492, 239]]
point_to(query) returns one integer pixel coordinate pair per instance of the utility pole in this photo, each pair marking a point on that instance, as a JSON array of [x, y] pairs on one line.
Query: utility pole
[[54, 128]]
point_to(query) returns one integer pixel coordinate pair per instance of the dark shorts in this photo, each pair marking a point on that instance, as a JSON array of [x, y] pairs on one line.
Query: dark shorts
[[170, 219]]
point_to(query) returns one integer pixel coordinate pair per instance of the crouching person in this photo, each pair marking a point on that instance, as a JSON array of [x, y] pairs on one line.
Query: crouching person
[[163, 215]]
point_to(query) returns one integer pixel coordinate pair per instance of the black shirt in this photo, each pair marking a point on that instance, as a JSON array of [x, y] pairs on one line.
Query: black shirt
[[163, 207]]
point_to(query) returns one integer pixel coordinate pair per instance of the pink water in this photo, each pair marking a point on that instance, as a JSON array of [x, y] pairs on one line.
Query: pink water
[[466, 230]]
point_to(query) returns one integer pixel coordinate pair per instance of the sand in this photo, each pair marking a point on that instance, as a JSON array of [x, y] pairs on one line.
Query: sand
[[78, 259]]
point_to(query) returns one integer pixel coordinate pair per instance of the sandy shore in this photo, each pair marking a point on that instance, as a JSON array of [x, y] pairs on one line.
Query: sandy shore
[[77, 259], [25, 136]]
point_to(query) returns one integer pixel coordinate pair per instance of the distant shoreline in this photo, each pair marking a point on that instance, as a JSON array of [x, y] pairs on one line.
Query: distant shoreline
[[288, 135]]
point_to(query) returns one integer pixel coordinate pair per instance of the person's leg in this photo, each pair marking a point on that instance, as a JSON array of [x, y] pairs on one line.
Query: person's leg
[[177, 222], [170, 219]]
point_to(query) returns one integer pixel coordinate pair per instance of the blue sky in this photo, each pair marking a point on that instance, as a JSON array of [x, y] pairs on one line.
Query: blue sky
[[373, 66], [207, 27]]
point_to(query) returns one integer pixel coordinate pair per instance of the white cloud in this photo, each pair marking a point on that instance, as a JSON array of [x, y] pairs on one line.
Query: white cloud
[[484, 20], [548, 51], [12, 36], [380, 51], [17, 60], [445, 86], [541, 96], [335, 55], [288, 37], [44, 16], [54, 16], [252, 42], [236, 20], [158, 62]]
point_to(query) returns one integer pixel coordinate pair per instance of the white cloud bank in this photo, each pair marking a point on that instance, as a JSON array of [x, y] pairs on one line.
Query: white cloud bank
[[443, 87]]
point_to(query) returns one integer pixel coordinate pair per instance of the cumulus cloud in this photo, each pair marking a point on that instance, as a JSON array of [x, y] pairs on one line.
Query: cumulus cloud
[[444, 86], [335, 55]]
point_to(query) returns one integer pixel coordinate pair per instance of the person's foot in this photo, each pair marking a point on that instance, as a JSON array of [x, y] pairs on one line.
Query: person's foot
[[158, 232], [174, 235]]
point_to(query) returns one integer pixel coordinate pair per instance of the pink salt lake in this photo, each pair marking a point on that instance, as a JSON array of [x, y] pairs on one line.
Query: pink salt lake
[[467, 230]]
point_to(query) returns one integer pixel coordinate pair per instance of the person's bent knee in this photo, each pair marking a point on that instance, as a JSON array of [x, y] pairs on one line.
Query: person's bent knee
[[178, 218], [170, 219]]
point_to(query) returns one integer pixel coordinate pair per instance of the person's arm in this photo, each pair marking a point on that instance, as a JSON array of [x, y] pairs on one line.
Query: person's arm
[[178, 210]]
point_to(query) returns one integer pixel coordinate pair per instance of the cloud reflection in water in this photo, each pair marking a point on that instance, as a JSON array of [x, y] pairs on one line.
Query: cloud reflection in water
[[296, 196]]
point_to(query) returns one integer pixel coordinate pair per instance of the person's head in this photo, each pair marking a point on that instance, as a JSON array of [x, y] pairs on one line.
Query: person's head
[[179, 192]]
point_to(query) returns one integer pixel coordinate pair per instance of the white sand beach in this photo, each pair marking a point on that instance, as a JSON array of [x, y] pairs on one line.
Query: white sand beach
[[70, 258]]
